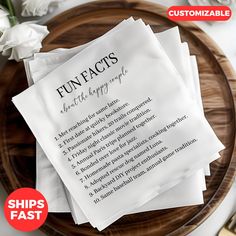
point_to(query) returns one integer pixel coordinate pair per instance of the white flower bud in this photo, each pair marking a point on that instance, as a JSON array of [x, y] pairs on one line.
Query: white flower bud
[[38, 7], [4, 21]]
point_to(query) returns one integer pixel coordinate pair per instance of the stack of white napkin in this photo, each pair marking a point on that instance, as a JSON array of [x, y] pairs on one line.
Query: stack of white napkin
[[119, 124]]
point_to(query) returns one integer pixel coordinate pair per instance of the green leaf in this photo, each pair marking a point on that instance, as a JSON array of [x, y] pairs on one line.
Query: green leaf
[[11, 10]]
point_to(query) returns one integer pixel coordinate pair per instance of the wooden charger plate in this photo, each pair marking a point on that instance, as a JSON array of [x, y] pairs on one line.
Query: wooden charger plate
[[85, 23]]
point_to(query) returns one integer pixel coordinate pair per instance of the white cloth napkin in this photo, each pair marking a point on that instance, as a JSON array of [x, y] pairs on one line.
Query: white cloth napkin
[[173, 122], [186, 193]]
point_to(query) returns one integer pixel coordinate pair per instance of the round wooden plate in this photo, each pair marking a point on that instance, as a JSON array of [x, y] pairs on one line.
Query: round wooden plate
[[87, 22]]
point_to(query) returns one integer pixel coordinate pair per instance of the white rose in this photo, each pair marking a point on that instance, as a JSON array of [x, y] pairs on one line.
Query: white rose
[[4, 20], [22, 40], [38, 7]]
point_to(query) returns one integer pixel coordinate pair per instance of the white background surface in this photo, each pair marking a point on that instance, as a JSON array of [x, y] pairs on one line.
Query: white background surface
[[225, 36]]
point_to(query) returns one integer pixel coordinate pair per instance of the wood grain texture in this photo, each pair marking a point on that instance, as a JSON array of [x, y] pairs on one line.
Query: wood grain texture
[[218, 85]]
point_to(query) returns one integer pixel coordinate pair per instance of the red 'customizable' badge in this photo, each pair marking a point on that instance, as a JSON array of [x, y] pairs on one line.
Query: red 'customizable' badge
[[199, 13], [26, 209]]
